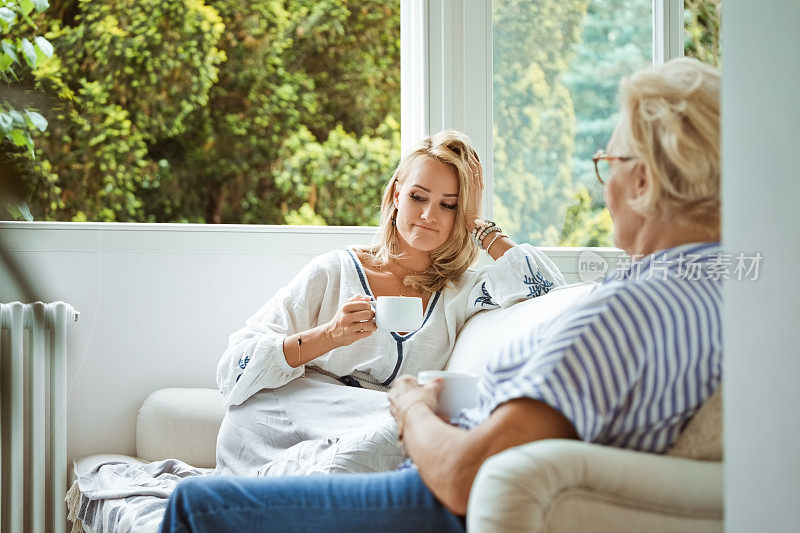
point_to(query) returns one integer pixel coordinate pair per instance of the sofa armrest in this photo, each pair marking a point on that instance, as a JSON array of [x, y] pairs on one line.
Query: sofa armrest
[[564, 485], [180, 424]]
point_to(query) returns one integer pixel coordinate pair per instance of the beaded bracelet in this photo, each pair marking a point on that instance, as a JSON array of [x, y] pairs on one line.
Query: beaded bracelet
[[482, 235], [480, 232], [491, 230], [474, 235], [494, 230], [479, 235], [494, 239], [486, 230]]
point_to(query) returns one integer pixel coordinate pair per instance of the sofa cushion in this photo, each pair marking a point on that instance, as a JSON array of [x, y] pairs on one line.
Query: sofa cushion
[[180, 424], [701, 439], [487, 331]]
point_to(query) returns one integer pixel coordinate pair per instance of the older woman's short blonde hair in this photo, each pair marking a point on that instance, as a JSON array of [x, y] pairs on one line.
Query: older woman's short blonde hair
[[670, 123], [451, 260]]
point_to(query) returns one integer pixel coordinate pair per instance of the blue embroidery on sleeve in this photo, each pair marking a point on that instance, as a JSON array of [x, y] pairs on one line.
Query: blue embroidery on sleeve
[[243, 362], [486, 299], [537, 284], [237, 378]]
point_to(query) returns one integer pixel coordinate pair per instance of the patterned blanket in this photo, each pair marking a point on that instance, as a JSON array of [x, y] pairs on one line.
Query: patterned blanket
[[354, 434]]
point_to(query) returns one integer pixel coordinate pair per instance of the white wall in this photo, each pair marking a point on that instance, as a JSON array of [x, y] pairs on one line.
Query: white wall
[[157, 303], [761, 206]]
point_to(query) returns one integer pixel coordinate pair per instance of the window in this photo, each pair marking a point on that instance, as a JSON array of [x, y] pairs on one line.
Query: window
[[556, 68], [306, 131], [557, 65]]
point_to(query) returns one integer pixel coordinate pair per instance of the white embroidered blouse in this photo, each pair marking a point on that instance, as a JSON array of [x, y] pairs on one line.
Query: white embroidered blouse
[[254, 359]]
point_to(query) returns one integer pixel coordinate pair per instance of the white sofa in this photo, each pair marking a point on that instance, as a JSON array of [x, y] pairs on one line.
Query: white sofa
[[554, 485]]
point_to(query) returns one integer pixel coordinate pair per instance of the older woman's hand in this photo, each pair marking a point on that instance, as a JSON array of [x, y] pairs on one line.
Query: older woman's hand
[[407, 393], [475, 200]]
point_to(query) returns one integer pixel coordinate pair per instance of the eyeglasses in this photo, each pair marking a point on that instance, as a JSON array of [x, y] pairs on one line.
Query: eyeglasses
[[601, 163]]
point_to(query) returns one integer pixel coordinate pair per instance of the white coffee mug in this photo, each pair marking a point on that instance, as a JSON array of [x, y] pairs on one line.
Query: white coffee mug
[[398, 313], [460, 391]]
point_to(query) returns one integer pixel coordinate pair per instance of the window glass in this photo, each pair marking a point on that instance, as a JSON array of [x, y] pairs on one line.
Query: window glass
[[215, 111], [557, 64]]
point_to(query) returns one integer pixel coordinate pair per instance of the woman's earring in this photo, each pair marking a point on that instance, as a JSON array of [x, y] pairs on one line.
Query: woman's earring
[[394, 218]]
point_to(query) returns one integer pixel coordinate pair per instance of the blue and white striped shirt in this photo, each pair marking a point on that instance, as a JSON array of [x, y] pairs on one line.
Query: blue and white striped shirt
[[630, 365]]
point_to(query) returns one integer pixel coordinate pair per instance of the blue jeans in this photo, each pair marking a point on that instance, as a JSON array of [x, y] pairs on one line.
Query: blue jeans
[[385, 502]]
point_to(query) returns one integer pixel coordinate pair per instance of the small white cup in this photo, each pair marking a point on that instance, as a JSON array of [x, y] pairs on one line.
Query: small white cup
[[398, 313], [460, 391]]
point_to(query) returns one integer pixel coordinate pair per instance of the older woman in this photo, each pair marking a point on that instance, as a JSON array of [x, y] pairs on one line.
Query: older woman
[[627, 367], [321, 325]]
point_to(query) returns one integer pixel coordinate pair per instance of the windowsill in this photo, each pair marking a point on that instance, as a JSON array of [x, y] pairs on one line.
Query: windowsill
[[187, 228], [95, 237]]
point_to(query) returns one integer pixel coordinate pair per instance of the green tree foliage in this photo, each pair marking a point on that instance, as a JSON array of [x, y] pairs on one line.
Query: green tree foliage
[[188, 110], [137, 70], [534, 117], [21, 49], [585, 224], [221, 167], [702, 20], [23, 52], [340, 179], [615, 41], [351, 51]]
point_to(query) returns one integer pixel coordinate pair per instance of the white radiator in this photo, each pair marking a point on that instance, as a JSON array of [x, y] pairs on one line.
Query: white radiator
[[33, 416]]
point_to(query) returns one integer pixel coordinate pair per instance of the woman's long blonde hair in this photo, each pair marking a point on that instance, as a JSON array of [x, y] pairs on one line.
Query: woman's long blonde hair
[[451, 260]]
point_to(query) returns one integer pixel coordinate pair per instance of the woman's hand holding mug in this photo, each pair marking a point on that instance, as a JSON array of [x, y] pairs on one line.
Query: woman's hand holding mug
[[353, 321]]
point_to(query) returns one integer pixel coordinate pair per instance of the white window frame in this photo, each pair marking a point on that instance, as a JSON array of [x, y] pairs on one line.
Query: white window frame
[[446, 74], [446, 69], [667, 30]]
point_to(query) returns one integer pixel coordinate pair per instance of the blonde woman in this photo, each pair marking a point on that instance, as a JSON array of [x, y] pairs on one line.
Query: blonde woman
[[285, 375]]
